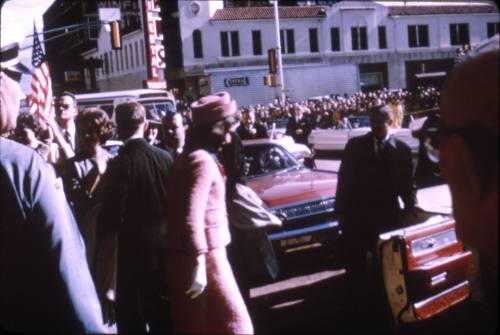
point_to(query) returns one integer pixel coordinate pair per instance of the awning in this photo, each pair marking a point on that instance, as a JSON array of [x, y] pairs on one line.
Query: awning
[[430, 74]]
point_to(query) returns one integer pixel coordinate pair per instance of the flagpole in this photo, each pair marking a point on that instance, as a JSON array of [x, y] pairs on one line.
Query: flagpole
[[278, 43]]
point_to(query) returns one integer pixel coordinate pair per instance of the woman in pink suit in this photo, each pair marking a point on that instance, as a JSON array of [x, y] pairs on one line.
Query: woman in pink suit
[[203, 292]]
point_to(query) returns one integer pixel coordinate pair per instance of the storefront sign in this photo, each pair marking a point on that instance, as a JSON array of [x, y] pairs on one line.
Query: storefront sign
[[155, 84], [240, 81]]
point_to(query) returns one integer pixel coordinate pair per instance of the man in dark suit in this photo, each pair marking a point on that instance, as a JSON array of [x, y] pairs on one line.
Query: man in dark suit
[[134, 208], [172, 133], [376, 168], [299, 126]]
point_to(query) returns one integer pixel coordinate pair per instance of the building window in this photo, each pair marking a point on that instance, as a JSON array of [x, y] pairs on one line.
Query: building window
[[121, 59], [126, 57], [459, 33], [418, 36], [230, 43], [103, 69], [313, 40], [224, 44], [117, 62], [493, 29], [335, 38], [382, 38], [359, 39], [136, 54], [235, 43], [142, 52], [197, 44], [256, 42], [106, 63], [287, 41], [111, 61], [93, 27], [131, 52]]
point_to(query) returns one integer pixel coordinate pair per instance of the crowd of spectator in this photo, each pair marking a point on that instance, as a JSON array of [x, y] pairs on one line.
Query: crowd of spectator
[[329, 111], [50, 138]]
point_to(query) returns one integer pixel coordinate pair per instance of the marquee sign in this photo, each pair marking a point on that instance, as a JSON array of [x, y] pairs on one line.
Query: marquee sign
[[154, 44]]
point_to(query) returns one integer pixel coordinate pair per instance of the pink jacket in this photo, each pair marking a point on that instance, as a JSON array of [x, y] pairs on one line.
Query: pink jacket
[[197, 223], [198, 217]]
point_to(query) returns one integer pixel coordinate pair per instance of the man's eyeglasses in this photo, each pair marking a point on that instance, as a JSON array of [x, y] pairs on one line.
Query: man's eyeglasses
[[478, 137], [63, 106]]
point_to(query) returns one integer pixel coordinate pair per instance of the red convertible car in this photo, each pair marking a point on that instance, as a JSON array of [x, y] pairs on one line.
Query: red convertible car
[[301, 197]]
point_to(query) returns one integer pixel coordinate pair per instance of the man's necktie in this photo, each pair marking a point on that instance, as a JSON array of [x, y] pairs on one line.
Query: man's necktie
[[380, 147], [67, 136]]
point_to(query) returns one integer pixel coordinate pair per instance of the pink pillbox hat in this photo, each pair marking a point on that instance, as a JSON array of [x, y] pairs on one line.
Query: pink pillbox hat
[[212, 108]]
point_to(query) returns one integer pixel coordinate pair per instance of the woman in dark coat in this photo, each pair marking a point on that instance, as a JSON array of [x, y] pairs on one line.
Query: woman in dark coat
[[204, 295], [81, 173]]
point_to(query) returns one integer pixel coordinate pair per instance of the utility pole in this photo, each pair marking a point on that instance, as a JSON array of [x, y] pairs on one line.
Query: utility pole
[[278, 43]]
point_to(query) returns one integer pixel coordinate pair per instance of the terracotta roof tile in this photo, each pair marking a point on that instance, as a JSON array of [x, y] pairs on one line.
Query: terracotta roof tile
[[445, 9], [253, 13]]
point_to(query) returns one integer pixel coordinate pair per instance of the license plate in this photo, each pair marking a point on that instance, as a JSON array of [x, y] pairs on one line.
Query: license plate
[[295, 240]]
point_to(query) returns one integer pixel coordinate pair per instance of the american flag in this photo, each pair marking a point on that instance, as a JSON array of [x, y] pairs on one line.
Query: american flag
[[41, 104]]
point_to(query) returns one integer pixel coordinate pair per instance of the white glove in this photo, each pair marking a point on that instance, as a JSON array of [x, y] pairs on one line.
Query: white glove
[[199, 278]]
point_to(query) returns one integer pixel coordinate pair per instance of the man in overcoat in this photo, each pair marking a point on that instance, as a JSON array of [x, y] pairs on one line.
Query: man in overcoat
[[134, 209], [376, 169]]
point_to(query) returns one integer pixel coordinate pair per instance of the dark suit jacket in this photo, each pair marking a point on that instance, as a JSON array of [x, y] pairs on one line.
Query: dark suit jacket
[[232, 158], [245, 134], [293, 125], [369, 185], [134, 206]]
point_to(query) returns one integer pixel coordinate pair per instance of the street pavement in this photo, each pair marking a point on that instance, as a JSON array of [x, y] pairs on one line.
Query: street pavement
[[303, 300], [309, 300]]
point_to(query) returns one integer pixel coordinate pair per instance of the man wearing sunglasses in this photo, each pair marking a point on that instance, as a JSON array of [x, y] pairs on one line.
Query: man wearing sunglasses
[[46, 284], [63, 126], [466, 143]]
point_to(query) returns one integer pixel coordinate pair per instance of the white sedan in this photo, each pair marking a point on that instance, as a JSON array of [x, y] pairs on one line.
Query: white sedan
[[336, 139]]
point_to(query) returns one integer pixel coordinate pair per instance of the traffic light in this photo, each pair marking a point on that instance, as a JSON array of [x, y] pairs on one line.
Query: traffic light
[[270, 80], [116, 36], [271, 60]]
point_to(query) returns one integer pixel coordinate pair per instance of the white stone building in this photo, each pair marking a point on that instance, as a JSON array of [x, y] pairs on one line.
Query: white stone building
[[342, 48]]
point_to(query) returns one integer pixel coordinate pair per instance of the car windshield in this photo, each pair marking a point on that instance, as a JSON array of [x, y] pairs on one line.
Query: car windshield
[[359, 121], [279, 123], [160, 108], [267, 158]]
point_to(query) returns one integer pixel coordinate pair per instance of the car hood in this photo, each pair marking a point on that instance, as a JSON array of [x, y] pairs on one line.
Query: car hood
[[303, 185]]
